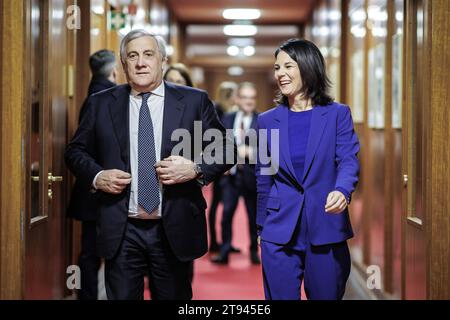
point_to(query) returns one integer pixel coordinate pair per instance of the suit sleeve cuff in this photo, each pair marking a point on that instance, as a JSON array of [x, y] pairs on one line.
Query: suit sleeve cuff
[[95, 180], [346, 194]]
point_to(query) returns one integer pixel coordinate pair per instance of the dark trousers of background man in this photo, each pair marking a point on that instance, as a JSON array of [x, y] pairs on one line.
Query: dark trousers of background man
[[216, 199], [89, 262], [234, 186]]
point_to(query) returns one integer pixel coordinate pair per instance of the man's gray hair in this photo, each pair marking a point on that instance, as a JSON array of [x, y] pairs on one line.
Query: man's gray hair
[[139, 33], [245, 84]]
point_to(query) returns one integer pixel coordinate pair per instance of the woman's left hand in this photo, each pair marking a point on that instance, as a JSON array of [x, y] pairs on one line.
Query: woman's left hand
[[336, 202]]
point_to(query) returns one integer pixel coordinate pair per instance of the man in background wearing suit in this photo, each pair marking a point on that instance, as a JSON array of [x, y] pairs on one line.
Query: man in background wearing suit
[[151, 208], [82, 205], [241, 181]]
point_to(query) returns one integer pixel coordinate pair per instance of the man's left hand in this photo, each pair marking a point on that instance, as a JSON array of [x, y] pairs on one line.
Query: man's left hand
[[175, 169]]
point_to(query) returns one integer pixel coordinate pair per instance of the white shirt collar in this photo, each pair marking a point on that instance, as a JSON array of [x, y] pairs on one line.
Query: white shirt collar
[[159, 91]]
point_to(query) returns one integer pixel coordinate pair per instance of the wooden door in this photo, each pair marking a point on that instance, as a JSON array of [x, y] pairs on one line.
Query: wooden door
[[45, 245], [416, 119]]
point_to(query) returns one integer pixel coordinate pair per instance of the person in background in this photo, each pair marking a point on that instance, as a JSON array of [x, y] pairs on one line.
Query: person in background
[[226, 98], [225, 101], [241, 181], [82, 205], [103, 67], [302, 213], [178, 73]]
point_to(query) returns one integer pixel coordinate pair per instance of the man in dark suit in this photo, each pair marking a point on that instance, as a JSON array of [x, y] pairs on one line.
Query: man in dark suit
[[241, 180], [104, 73], [82, 205], [151, 208]]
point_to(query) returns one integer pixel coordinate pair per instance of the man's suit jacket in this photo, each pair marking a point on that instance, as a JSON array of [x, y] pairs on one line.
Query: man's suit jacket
[[83, 205], [248, 169], [331, 161], [102, 142]]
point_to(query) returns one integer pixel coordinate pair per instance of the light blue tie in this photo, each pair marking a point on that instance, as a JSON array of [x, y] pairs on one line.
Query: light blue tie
[[148, 186]]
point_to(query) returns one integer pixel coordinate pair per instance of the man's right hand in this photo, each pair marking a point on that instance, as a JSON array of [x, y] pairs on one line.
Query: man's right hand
[[113, 181]]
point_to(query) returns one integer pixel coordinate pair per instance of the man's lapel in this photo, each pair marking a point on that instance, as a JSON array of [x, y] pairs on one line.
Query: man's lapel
[[120, 115], [173, 113]]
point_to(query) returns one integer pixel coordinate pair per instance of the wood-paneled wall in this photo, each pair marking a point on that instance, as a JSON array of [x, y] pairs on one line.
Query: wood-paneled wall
[[12, 100], [438, 235]]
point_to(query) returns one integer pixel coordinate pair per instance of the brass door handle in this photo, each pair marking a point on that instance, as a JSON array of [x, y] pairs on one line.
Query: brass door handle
[[52, 178]]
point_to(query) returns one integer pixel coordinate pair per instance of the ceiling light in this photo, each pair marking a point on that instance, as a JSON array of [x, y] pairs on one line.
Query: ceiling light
[[233, 51], [377, 14], [249, 51], [358, 15], [334, 15], [241, 14], [98, 9], [358, 32], [240, 30], [235, 71]]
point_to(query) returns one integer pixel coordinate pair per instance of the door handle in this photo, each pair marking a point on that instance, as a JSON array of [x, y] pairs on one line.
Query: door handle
[[405, 180], [52, 178]]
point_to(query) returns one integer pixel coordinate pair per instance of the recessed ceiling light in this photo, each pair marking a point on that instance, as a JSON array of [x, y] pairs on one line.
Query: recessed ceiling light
[[241, 14], [235, 71], [249, 51], [233, 51], [240, 30]]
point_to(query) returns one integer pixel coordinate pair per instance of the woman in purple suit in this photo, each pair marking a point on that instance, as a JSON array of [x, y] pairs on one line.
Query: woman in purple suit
[[302, 216]]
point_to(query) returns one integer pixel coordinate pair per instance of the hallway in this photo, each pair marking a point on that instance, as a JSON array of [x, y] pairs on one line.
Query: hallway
[[387, 62]]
